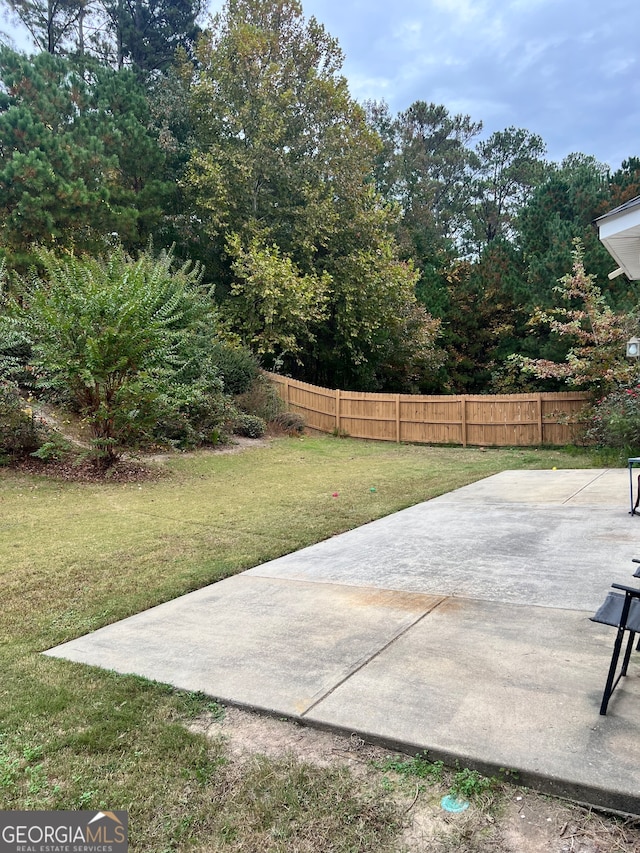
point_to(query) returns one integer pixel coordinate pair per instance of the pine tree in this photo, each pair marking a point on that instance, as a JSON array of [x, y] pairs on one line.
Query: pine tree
[[78, 161]]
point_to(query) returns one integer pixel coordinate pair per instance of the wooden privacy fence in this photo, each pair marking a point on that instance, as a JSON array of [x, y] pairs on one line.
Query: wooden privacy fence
[[515, 420]]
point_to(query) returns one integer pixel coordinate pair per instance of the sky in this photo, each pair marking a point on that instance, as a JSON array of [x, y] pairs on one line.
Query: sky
[[568, 70]]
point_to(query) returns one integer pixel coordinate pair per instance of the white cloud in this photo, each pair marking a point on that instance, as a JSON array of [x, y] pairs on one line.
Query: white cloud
[[464, 11], [408, 35], [613, 65]]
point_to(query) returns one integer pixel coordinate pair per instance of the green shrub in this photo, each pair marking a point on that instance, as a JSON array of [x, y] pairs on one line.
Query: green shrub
[[53, 449], [15, 351], [261, 399], [109, 333], [237, 367], [250, 426], [614, 421], [19, 431], [290, 422], [193, 414]]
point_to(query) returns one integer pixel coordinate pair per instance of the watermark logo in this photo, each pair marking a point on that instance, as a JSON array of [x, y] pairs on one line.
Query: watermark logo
[[63, 832]]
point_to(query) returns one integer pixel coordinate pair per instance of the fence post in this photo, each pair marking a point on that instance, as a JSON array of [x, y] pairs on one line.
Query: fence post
[[338, 411], [463, 420], [286, 391], [540, 424], [398, 418]]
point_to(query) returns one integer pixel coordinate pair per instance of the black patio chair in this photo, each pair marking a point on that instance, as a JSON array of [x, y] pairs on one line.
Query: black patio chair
[[622, 611]]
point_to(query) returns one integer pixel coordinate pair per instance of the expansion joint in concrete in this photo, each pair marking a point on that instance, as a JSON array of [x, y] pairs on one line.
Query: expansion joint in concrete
[[367, 660], [582, 488]]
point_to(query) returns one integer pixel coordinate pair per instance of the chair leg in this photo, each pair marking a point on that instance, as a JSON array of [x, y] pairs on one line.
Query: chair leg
[[627, 654], [608, 690]]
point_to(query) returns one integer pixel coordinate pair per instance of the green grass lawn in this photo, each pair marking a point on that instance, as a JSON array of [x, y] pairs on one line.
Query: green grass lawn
[[77, 556]]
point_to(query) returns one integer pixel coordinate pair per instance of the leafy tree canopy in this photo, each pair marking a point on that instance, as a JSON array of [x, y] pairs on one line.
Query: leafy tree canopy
[[595, 334], [282, 161], [429, 169], [271, 303], [146, 34], [142, 34], [510, 166], [278, 139], [52, 24], [78, 161], [559, 211]]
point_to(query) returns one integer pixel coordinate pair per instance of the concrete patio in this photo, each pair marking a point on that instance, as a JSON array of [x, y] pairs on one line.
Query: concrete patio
[[459, 626]]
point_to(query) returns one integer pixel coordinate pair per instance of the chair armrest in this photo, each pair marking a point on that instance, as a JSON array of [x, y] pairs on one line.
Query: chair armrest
[[633, 591]]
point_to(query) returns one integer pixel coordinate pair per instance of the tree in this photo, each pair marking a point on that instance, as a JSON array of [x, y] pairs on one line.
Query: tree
[[483, 324], [272, 305], [51, 23], [142, 34], [77, 160], [376, 335], [146, 34], [277, 137], [594, 334], [282, 159], [432, 168], [50, 178], [425, 167], [624, 184], [510, 166], [560, 210], [108, 335], [379, 118]]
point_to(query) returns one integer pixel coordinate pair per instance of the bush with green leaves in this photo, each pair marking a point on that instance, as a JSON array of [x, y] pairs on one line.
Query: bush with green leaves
[[290, 422], [194, 413], [15, 350], [19, 432], [249, 426], [237, 366], [261, 399], [53, 449], [15, 345], [119, 337], [614, 421]]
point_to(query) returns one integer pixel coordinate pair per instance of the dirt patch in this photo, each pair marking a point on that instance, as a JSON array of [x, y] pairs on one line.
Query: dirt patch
[[236, 445], [508, 820], [143, 467], [250, 734], [76, 470]]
